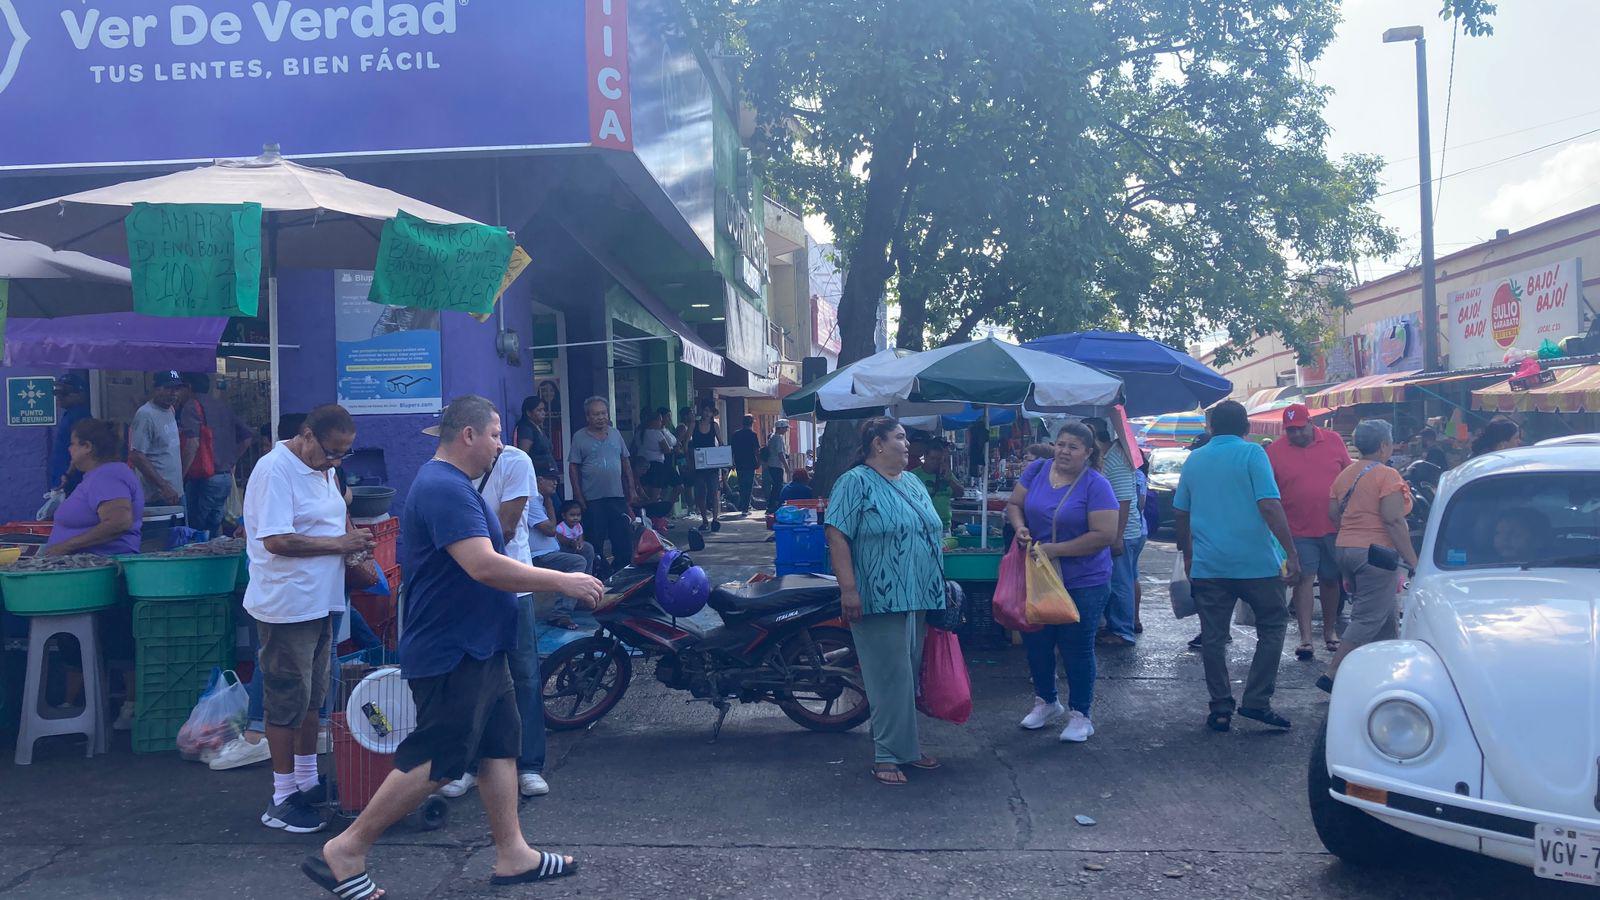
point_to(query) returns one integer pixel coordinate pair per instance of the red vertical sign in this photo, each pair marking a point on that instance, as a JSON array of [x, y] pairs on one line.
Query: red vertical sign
[[610, 106]]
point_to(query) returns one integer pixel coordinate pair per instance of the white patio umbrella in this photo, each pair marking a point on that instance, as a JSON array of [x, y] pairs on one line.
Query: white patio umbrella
[[45, 283], [311, 218]]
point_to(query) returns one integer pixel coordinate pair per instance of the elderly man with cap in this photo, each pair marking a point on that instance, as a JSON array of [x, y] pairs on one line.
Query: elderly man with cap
[[1305, 465], [72, 406], [775, 461], [154, 449]]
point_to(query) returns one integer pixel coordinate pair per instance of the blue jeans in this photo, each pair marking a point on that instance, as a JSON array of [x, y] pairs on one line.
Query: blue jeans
[[561, 561], [206, 499], [1076, 645], [1124, 575]]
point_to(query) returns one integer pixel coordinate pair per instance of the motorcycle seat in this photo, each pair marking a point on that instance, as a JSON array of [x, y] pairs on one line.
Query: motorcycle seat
[[779, 594]]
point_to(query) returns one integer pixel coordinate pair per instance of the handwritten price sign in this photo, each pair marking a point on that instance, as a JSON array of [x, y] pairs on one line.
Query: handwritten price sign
[[195, 259], [447, 267]]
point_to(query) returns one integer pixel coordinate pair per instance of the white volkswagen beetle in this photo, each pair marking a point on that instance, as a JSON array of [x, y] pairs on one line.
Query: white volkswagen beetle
[[1480, 726]]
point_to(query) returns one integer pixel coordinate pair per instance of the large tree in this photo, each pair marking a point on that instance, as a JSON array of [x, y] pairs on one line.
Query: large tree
[[1159, 165]]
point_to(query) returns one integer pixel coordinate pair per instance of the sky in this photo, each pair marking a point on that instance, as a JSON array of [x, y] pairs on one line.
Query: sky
[[1529, 84]]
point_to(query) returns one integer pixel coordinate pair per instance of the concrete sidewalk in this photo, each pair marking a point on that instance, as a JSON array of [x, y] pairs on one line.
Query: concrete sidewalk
[[773, 811]]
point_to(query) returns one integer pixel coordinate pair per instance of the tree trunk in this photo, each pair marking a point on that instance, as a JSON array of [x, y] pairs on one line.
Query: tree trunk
[[867, 275]]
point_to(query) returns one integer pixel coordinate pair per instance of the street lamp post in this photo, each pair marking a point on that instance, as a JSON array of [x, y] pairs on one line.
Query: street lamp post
[[1430, 293]]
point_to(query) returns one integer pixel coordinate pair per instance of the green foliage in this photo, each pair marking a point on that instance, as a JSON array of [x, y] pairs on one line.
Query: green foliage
[[1050, 165]]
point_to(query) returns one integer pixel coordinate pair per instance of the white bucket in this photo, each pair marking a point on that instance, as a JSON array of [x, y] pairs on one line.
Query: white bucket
[[380, 712]]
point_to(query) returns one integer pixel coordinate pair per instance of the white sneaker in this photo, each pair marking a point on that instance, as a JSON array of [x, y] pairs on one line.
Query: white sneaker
[[1078, 728], [124, 720], [533, 784], [1042, 714], [460, 786], [240, 752]]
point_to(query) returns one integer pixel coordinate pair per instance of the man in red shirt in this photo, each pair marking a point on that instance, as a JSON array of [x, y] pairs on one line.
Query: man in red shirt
[[1305, 465]]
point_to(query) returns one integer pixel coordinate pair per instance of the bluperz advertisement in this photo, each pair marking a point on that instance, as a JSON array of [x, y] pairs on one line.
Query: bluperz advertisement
[[389, 357], [144, 81]]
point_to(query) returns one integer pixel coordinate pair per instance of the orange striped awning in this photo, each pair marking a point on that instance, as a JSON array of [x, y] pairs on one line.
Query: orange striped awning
[[1390, 388], [1575, 390]]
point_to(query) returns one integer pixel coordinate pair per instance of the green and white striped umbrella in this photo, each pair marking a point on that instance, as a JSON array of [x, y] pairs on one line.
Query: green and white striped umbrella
[[987, 372]]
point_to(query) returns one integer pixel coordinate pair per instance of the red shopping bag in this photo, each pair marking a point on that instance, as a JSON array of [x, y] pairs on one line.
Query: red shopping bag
[[946, 692], [1011, 592]]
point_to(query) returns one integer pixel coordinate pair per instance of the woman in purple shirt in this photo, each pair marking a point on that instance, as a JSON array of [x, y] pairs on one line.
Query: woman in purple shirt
[[105, 513], [1070, 511]]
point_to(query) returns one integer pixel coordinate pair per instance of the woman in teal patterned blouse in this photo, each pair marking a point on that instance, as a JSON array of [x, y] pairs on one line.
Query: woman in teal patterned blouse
[[884, 538]]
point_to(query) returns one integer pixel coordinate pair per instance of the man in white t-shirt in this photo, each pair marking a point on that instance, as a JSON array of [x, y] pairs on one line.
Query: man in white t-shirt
[[298, 536]]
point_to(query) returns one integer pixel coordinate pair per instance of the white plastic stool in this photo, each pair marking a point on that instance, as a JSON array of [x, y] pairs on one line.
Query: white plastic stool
[[36, 722]]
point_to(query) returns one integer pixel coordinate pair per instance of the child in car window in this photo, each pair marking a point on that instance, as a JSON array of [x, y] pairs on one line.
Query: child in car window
[[1518, 535]]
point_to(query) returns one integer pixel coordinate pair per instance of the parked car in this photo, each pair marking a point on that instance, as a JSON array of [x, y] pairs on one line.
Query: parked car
[[1480, 726], [1166, 465]]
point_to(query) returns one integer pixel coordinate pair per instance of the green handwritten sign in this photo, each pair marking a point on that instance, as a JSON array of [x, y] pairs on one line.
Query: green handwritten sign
[[195, 259], [450, 267]]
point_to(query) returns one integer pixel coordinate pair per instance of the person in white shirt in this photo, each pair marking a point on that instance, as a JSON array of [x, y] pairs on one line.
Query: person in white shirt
[[298, 537]]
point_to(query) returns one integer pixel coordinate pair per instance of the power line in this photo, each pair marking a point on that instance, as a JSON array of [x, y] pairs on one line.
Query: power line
[[1449, 95], [1495, 137], [1496, 162]]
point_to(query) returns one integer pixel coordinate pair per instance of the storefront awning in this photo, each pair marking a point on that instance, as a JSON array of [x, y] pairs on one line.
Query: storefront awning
[[1271, 421], [115, 341], [1575, 390], [1390, 388], [1272, 398]]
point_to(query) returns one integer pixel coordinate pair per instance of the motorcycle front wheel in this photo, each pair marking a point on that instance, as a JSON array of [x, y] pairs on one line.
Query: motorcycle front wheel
[[582, 681], [828, 693]]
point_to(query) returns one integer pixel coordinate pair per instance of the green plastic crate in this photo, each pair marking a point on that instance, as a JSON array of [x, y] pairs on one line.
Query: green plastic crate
[[163, 577], [176, 645], [59, 593], [973, 565]]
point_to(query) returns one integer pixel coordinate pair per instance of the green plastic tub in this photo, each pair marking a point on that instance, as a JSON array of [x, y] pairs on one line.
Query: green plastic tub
[[59, 593], [973, 565], [171, 577]]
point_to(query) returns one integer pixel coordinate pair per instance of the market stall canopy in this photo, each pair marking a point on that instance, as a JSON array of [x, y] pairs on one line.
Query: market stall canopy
[[1270, 422], [1175, 429], [1274, 398], [1575, 390], [1388, 388], [115, 341], [804, 401], [323, 219], [1156, 378], [987, 372], [44, 282]]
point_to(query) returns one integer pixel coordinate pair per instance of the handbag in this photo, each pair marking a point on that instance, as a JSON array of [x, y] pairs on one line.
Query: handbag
[[949, 617], [361, 572], [946, 689], [204, 464]]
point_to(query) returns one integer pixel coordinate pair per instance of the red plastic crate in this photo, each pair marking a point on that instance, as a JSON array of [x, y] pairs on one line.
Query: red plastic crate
[[387, 534], [382, 612], [37, 529]]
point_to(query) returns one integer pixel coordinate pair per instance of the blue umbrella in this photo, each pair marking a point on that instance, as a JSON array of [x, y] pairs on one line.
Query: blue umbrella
[[1156, 378]]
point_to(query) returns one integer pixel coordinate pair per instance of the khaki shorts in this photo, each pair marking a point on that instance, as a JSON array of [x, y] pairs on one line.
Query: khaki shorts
[[294, 661]]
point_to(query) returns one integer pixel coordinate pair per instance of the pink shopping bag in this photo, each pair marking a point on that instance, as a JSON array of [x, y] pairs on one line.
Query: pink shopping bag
[[946, 691]]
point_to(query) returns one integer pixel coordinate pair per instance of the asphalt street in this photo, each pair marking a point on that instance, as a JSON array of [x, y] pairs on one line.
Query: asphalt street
[[653, 809]]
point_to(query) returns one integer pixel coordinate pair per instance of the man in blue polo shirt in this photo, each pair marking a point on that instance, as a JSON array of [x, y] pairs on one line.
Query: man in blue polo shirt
[[460, 624], [1236, 547]]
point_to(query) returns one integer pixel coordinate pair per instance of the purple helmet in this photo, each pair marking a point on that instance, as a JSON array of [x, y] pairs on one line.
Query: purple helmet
[[683, 594]]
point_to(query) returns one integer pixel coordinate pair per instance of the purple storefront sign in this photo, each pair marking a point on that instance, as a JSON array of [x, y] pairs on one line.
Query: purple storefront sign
[[146, 81]]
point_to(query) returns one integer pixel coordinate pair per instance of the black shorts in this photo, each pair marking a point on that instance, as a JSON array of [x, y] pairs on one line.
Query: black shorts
[[660, 475], [464, 715]]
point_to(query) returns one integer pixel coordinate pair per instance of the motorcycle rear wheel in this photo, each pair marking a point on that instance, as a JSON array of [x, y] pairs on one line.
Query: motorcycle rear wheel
[[843, 704], [582, 681]]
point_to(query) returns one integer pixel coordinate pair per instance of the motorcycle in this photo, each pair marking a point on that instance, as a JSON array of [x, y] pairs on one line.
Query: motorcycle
[[782, 641]]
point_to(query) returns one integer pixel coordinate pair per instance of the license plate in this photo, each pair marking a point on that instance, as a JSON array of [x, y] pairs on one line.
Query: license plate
[[1566, 854]]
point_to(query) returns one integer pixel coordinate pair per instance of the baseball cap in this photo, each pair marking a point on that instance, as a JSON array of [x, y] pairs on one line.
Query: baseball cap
[[431, 431], [1296, 416], [168, 378], [783, 425], [71, 382]]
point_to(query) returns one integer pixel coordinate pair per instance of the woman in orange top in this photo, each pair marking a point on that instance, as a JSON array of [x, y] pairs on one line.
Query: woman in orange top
[[1370, 501]]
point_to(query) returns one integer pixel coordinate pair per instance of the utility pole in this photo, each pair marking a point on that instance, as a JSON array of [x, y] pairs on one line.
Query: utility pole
[[1430, 291]]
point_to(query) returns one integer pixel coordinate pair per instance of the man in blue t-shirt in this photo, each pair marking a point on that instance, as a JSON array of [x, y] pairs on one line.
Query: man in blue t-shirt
[[460, 623], [1233, 535]]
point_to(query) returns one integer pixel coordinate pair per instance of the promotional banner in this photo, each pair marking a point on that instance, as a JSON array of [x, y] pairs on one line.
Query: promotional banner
[[143, 81], [388, 356], [1394, 345], [195, 259], [1521, 311]]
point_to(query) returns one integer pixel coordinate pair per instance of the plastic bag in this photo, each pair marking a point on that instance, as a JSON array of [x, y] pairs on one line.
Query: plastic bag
[[218, 716], [946, 691], [1010, 604], [52, 502], [1179, 589], [1049, 603]]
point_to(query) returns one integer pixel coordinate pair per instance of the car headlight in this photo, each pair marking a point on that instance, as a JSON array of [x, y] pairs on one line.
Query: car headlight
[[1400, 728]]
